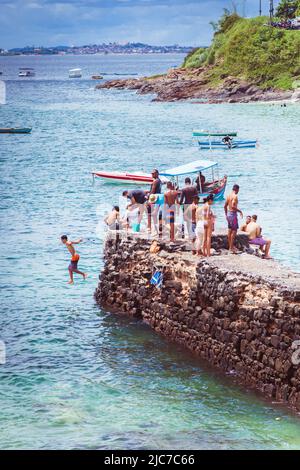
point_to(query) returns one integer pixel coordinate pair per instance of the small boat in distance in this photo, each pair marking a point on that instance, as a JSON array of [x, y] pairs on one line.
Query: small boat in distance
[[204, 133], [25, 72], [15, 130], [97, 77], [75, 73]]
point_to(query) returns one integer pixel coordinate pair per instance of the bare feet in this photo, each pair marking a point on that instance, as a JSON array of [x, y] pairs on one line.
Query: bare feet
[[85, 275], [71, 282]]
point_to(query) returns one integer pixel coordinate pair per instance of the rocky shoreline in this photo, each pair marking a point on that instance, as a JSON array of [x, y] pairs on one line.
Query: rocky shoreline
[[239, 313], [182, 84]]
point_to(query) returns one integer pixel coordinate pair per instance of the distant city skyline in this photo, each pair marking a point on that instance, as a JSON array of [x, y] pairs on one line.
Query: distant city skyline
[[77, 22]]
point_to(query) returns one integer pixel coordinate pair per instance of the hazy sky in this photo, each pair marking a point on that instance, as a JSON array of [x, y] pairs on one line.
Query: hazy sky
[[78, 22]]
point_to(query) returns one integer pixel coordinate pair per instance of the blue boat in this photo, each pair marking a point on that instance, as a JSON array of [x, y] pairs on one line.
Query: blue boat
[[15, 130], [234, 144], [215, 186]]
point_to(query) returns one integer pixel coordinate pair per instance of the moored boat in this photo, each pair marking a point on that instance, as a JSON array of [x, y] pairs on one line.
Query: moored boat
[[25, 72], [97, 77], [215, 185], [234, 144], [75, 73], [117, 177], [15, 130]]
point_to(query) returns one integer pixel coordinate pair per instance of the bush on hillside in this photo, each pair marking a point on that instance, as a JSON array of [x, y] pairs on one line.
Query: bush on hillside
[[249, 49]]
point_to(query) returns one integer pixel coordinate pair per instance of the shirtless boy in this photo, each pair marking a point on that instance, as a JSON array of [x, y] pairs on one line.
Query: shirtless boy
[[171, 198], [255, 237], [231, 210], [74, 257]]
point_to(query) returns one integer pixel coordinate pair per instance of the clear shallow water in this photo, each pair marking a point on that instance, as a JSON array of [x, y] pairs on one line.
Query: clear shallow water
[[76, 376]]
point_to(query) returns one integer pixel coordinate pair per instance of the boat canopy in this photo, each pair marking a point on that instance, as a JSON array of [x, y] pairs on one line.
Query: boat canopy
[[193, 167]]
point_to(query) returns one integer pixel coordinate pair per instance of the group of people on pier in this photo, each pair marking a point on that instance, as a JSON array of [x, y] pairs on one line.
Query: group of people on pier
[[177, 211]]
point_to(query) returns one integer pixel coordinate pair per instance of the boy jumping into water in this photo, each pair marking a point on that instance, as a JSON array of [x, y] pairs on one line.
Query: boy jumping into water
[[74, 257]]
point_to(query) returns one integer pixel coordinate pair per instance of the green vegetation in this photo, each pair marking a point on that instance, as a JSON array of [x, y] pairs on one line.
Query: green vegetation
[[249, 49], [288, 9]]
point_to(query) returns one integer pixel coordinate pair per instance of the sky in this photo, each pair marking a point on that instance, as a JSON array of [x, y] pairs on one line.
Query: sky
[[79, 22]]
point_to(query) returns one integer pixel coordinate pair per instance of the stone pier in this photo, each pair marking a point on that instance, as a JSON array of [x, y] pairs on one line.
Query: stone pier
[[238, 312]]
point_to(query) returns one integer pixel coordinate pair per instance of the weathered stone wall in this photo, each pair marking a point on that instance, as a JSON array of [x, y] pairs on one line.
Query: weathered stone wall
[[238, 312]]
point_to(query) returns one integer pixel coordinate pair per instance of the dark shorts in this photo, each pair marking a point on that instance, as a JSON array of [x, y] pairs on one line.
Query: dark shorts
[[73, 265], [171, 216], [232, 220]]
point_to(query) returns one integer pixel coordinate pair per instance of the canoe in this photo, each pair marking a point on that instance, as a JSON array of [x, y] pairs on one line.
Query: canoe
[[203, 133], [222, 145], [15, 130], [117, 177]]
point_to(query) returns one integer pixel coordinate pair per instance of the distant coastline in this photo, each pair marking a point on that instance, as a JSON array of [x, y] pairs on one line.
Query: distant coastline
[[92, 49]]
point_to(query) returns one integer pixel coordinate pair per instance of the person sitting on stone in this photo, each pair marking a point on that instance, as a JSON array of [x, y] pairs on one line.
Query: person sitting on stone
[[255, 237], [245, 225], [113, 219]]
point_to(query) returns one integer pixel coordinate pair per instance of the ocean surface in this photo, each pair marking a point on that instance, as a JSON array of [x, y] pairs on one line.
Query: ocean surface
[[77, 377]]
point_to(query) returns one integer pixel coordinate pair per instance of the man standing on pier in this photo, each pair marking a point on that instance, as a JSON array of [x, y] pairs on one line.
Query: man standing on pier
[[155, 188], [231, 210], [187, 195]]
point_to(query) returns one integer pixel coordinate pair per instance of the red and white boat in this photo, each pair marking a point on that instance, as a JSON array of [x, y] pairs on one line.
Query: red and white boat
[[214, 185], [128, 178]]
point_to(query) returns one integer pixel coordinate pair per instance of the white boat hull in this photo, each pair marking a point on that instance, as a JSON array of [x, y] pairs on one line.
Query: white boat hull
[[126, 178]]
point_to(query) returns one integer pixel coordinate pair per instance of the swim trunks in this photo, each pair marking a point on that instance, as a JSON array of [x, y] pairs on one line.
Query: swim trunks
[[170, 216], [258, 241], [74, 262], [232, 220]]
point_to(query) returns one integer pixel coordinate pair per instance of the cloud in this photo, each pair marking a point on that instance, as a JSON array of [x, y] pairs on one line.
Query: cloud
[[42, 22]]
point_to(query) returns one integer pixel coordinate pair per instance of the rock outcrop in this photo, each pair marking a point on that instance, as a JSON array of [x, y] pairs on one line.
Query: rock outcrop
[[238, 312], [182, 84]]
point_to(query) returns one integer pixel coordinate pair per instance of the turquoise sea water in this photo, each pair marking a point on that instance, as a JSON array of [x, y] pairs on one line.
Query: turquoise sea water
[[77, 376]]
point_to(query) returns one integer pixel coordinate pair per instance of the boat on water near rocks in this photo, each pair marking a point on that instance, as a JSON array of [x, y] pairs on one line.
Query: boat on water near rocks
[[15, 130], [215, 186], [117, 177], [97, 77]]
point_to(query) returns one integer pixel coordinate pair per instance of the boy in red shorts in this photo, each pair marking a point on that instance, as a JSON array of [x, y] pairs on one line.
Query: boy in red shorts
[[74, 257]]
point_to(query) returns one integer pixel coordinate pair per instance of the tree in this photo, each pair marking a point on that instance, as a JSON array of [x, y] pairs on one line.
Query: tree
[[226, 21], [288, 9]]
